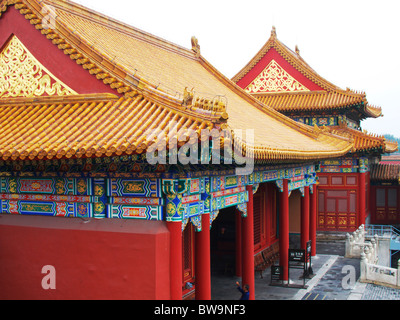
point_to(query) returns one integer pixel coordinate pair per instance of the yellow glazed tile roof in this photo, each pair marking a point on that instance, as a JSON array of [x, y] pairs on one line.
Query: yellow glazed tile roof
[[332, 98], [364, 141], [156, 78], [89, 125], [312, 100]]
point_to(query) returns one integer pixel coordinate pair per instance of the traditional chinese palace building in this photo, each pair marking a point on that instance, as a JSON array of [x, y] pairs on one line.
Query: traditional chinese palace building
[[282, 80], [130, 167]]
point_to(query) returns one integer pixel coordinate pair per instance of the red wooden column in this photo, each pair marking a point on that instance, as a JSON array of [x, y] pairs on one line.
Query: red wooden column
[[268, 213], [361, 214], [248, 246], [203, 262], [238, 243], [313, 220], [284, 230], [175, 254], [305, 218]]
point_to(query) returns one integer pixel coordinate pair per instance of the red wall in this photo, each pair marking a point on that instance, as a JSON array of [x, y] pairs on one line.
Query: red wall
[[94, 259]]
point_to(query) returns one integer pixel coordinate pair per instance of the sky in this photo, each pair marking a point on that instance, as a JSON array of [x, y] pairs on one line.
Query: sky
[[353, 44]]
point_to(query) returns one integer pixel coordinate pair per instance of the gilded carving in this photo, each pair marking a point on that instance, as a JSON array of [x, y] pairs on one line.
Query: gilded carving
[[22, 75], [275, 79]]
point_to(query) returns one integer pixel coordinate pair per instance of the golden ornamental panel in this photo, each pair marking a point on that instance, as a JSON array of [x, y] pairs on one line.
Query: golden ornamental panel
[[22, 75], [342, 220], [321, 220], [380, 214], [275, 79], [392, 214], [353, 220], [331, 220]]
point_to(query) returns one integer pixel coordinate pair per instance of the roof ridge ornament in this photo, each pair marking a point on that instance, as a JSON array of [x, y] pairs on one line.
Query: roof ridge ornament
[[195, 46], [273, 32]]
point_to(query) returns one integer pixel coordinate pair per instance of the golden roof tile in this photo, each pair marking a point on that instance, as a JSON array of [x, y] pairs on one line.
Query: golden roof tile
[[310, 100], [88, 125], [364, 141]]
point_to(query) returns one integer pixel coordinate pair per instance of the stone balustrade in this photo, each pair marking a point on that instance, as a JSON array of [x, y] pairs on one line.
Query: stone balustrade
[[355, 243], [372, 271]]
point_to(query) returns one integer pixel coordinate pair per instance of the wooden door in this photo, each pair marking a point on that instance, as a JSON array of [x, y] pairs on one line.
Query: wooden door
[[386, 211], [337, 210]]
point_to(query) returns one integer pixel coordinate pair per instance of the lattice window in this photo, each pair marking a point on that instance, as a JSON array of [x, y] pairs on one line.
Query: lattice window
[[258, 220], [380, 198], [392, 198]]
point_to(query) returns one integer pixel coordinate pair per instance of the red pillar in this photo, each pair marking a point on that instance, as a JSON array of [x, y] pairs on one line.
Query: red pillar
[[305, 218], [268, 213], [284, 229], [175, 230], [362, 199], [238, 243], [313, 221], [248, 246], [202, 260], [373, 203]]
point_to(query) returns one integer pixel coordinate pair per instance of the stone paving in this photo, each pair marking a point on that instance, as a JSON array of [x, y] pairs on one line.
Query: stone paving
[[334, 279], [331, 284], [375, 292]]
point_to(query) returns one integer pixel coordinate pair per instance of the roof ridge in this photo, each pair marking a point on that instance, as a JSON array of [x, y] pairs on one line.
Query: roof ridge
[[341, 92], [75, 98], [293, 58], [108, 21]]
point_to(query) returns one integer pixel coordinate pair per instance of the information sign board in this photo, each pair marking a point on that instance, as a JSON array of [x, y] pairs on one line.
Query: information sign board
[[276, 275], [297, 255]]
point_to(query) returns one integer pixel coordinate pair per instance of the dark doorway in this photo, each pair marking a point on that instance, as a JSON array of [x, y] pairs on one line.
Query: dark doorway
[[223, 242], [395, 256]]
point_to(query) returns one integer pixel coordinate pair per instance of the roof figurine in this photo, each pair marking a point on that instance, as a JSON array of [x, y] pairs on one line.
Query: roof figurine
[[273, 32], [196, 46], [188, 97]]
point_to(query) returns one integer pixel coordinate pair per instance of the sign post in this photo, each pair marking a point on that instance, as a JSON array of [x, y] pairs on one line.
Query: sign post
[[308, 268], [298, 260], [276, 275]]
